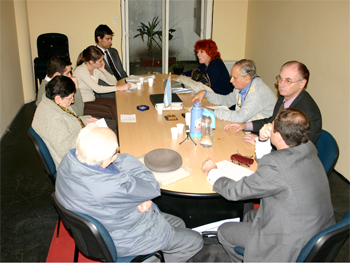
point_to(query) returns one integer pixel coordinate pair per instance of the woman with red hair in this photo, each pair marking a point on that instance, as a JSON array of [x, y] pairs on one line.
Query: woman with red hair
[[211, 63]]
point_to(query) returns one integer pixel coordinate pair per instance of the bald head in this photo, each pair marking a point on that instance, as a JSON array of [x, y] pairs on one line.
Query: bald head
[[95, 144]]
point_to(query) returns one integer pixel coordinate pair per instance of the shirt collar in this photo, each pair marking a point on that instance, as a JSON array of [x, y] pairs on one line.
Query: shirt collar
[[103, 50], [244, 91], [289, 102], [112, 169]]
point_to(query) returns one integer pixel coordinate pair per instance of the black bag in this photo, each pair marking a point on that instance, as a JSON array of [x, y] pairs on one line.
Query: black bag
[[201, 76], [212, 250]]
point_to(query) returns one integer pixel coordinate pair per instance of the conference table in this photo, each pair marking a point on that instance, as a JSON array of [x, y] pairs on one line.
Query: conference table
[[192, 197]]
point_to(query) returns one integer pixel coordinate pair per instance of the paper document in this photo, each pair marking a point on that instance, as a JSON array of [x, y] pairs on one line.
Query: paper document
[[214, 226], [127, 117], [101, 123], [233, 171], [175, 106]]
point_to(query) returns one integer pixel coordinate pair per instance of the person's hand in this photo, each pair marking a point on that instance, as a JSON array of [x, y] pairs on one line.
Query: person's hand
[[236, 126], [145, 206], [91, 120], [250, 138], [208, 165], [265, 132], [75, 80], [125, 86], [199, 96]]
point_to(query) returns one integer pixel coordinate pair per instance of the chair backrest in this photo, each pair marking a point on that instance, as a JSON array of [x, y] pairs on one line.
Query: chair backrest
[[44, 154], [52, 44], [324, 246], [90, 236], [328, 151]]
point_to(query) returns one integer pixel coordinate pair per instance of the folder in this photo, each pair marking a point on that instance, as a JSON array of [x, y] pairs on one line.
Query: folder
[[159, 98]]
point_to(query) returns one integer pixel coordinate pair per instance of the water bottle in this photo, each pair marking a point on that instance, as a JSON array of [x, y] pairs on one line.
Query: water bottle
[[196, 118], [208, 123]]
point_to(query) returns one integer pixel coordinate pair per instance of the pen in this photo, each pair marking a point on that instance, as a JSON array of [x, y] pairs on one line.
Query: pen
[[125, 81]]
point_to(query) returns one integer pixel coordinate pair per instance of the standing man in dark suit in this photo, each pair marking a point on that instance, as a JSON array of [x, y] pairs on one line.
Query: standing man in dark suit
[[113, 64], [293, 186], [292, 82]]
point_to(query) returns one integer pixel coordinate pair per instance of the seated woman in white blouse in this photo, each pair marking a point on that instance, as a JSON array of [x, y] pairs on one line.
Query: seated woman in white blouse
[[90, 70]]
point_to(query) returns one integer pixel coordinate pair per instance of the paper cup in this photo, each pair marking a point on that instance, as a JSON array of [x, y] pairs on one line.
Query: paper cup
[[141, 80], [138, 85], [174, 133], [160, 108], [180, 127], [150, 82]]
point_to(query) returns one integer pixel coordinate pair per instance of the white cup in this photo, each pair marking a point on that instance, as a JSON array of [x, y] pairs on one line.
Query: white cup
[[174, 133], [180, 127], [150, 82], [188, 118], [160, 108], [138, 85], [141, 80]]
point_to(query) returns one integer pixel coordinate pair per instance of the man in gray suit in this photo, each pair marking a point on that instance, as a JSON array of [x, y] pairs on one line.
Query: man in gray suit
[[293, 187], [103, 39]]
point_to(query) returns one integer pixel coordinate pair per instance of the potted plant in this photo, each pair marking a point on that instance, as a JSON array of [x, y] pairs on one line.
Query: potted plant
[[152, 35], [178, 67]]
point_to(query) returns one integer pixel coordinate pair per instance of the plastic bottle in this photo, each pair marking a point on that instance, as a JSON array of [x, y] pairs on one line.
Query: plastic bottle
[[208, 123], [196, 118]]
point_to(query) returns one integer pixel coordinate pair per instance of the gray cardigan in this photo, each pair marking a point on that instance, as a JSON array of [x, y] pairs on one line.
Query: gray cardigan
[[258, 103], [56, 127]]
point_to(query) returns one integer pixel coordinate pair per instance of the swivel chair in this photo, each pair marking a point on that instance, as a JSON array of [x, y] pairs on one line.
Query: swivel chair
[[92, 238], [49, 45], [325, 245], [328, 151]]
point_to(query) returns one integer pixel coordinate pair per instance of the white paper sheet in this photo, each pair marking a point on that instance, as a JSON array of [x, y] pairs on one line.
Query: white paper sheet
[[214, 226], [233, 171], [127, 117]]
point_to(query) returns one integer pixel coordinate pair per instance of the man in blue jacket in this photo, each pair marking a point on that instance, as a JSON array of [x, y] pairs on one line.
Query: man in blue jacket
[[117, 189]]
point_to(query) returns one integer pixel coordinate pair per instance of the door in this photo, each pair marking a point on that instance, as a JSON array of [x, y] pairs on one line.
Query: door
[[147, 48]]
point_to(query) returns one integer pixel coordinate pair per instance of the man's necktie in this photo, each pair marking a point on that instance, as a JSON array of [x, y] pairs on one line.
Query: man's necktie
[[111, 65], [282, 106]]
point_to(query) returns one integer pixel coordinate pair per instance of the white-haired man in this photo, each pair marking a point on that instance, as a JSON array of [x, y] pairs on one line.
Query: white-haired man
[[116, 189]]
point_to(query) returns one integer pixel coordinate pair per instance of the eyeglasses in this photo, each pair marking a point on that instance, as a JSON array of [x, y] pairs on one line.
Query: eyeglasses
[[288, 82]]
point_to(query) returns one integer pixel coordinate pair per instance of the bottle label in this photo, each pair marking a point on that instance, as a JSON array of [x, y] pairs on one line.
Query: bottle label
[[197, 124]]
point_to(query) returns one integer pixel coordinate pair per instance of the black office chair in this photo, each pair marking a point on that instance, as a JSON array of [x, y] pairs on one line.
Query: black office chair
[[325, 245], [92, 238], [47, 161], [49, 45], [328, 151]]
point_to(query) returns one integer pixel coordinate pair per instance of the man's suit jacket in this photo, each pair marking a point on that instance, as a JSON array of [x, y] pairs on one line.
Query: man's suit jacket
[[295, 203], [303, 102], [117, 62]]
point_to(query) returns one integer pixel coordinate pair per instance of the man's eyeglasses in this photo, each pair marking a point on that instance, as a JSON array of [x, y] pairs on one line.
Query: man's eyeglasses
[[288, 82]]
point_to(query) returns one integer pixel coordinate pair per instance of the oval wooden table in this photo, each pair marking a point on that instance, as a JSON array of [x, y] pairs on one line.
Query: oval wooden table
[[190, 198]]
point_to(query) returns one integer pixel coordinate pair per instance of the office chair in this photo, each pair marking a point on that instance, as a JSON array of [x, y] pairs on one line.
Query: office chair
[[44, 154], [48, 45], [47, 161], [328, 151], [325, 245], [92, 238]]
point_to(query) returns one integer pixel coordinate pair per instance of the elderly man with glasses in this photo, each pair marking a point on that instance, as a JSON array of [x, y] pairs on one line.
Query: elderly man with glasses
[[292, 82], [252, 98]]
